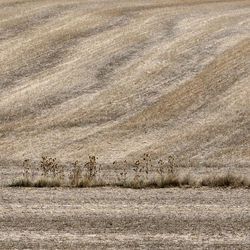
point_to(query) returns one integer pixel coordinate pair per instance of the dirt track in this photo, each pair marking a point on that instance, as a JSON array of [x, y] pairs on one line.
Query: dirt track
[[124, 218]]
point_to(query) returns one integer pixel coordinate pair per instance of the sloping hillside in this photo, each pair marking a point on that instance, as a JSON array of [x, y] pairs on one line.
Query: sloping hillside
[[120, 78]]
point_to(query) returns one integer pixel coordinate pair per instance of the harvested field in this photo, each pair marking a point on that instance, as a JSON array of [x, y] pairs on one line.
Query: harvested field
[[120, 78], [117, 79], [131, 219]]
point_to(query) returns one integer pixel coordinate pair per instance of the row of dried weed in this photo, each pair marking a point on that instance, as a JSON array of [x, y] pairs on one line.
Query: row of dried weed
[[142, 173]]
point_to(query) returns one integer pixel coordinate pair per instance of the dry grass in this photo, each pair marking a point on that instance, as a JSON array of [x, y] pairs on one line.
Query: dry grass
[[38, 183], [119, 78], [144, 174], [226, 180]]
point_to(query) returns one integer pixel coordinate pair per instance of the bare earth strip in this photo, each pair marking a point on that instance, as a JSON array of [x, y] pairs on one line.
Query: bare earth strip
[[126, 218]]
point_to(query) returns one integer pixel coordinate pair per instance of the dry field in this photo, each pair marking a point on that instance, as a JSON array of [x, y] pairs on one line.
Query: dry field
[[116, 79], [124, 218], [120, 78]]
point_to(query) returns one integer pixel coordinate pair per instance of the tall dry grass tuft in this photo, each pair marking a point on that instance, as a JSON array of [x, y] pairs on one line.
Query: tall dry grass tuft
[[225, 180]]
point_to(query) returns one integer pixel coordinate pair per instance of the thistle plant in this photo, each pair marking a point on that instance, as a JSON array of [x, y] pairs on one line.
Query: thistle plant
[[76, 174], [172, 166], [50, 168], [26, 169], [91, 168]]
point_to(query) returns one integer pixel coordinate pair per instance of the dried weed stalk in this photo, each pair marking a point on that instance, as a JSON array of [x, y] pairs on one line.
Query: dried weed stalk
[[88, 175]]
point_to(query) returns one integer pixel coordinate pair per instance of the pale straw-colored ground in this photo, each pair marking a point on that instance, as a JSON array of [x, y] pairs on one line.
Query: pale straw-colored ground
[[110, 218], [118, 78]]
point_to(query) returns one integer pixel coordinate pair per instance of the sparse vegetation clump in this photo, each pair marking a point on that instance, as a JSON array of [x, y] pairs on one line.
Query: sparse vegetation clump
[[143, 174], [49, 174], [225, 180]]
